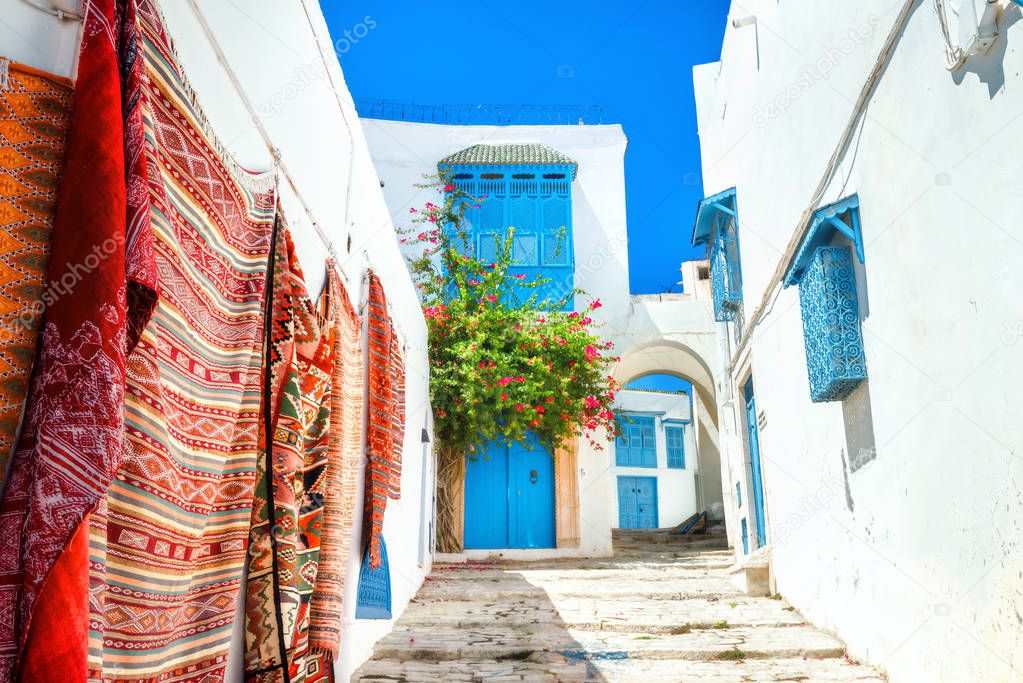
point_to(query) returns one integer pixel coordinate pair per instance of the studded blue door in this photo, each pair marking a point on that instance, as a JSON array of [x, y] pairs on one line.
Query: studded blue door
[[637, 502], [509, 498], [752, 432]]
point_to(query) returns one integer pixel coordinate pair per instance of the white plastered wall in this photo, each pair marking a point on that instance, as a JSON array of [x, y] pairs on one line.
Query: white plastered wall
[[272, 48], [914, 558]]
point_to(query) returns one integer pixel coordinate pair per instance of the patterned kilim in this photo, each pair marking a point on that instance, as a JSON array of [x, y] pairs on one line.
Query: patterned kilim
[[288, 512], [167, 551], [72, 439], [35, 112], [386, 418], [397, 417], [344, 467]]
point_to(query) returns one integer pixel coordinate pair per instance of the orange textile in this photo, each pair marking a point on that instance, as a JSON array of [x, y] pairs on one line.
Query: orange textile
[[35, 110]]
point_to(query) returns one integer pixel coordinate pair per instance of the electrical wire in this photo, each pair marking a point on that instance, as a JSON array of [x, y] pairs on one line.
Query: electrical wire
[[774, 287], [955, 56], [254, 117], [49, 8]]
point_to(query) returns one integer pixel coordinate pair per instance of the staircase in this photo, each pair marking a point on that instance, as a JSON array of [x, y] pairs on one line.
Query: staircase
[[662, 609]]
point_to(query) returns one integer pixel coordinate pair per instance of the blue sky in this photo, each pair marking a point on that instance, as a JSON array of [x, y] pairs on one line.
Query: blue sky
[[633, 59]]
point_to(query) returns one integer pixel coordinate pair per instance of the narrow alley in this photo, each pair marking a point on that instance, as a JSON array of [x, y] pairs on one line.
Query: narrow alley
[[659, 610]]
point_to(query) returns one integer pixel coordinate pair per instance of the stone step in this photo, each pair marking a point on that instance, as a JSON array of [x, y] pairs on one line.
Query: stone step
[[437, 643], [553, 668], [596, 613], [513, 586], [596, 575]]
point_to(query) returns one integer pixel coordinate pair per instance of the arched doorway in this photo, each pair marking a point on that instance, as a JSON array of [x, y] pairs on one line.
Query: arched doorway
[[670, 358]]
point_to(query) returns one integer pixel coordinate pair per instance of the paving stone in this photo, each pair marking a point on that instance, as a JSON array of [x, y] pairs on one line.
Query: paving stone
[[660, 610]]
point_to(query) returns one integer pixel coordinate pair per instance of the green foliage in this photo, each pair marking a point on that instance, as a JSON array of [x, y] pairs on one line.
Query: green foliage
[[503, 360]]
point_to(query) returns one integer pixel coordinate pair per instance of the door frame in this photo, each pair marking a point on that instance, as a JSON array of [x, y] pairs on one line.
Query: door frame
[[754, 463]]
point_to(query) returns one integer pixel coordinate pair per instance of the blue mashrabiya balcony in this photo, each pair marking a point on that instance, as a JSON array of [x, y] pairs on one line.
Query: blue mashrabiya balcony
[[824, 271], [717, 227], [528, 187]]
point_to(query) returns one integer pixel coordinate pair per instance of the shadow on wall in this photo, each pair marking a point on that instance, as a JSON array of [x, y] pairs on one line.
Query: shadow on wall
[[486, 621], [990, 68]]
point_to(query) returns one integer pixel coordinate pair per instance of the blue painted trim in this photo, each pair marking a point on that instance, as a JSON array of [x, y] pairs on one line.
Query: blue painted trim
[[753, 436], [707, 210], [842, 217], [675, 421]]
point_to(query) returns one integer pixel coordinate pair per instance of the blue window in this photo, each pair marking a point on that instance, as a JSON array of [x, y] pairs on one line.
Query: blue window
[[738, 494], [717, 227], [745, 537], [528, 188], [635, 446], [674, 438], [374, 597], [823, 268]]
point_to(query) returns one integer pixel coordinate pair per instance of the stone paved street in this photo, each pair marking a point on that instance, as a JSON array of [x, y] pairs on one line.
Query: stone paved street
[[654, 612]]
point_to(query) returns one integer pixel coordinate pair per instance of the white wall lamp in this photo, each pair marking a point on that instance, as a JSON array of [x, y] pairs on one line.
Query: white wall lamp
[[750, 20]]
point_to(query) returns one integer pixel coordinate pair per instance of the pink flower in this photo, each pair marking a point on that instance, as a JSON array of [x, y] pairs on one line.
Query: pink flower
[[491, 298], [519, 406], [504, 381], [520, 276], [595, 304], [504, 397], [591, 402], [540, 409], [573, 314], [449, 188], [591, 353], [412, 210], [550, 399]]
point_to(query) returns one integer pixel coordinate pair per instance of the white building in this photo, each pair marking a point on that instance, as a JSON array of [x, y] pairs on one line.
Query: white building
[[653, 334], [653, 465], [872, 457]]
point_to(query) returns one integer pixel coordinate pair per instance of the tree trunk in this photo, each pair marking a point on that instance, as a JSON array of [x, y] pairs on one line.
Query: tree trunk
[[450, 501]]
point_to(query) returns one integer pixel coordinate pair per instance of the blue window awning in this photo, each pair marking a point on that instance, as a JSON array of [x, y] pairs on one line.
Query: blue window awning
[[843, 217], [707, 209]]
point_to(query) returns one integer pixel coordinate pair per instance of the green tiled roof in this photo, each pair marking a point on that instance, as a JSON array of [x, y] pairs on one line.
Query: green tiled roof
[[533, 153]]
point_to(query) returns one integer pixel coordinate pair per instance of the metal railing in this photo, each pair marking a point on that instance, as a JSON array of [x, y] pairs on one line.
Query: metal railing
[[480, 114]]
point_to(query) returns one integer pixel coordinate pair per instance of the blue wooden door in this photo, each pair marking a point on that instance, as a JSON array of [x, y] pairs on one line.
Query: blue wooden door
[[754, 455], [531, 496], [509, 497], [637, 502]]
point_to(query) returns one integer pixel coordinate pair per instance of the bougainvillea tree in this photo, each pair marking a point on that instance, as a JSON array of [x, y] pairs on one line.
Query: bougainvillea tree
[[504, 360]]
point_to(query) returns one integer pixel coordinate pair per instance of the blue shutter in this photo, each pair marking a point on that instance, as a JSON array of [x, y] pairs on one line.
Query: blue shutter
[[674, 438], [535, 200], [636, 446], [374, 596]]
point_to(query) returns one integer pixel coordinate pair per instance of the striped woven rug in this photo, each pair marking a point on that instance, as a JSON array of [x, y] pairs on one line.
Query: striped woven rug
[[292, 478], [168, 548], [344, 467]]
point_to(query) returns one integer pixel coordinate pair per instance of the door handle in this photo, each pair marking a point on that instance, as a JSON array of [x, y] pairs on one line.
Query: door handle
[[532, 476]]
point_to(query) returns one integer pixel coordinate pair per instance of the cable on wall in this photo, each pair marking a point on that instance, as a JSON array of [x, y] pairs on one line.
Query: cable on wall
[[279, 164], [341, 107], [859, 109], [51, 9]]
